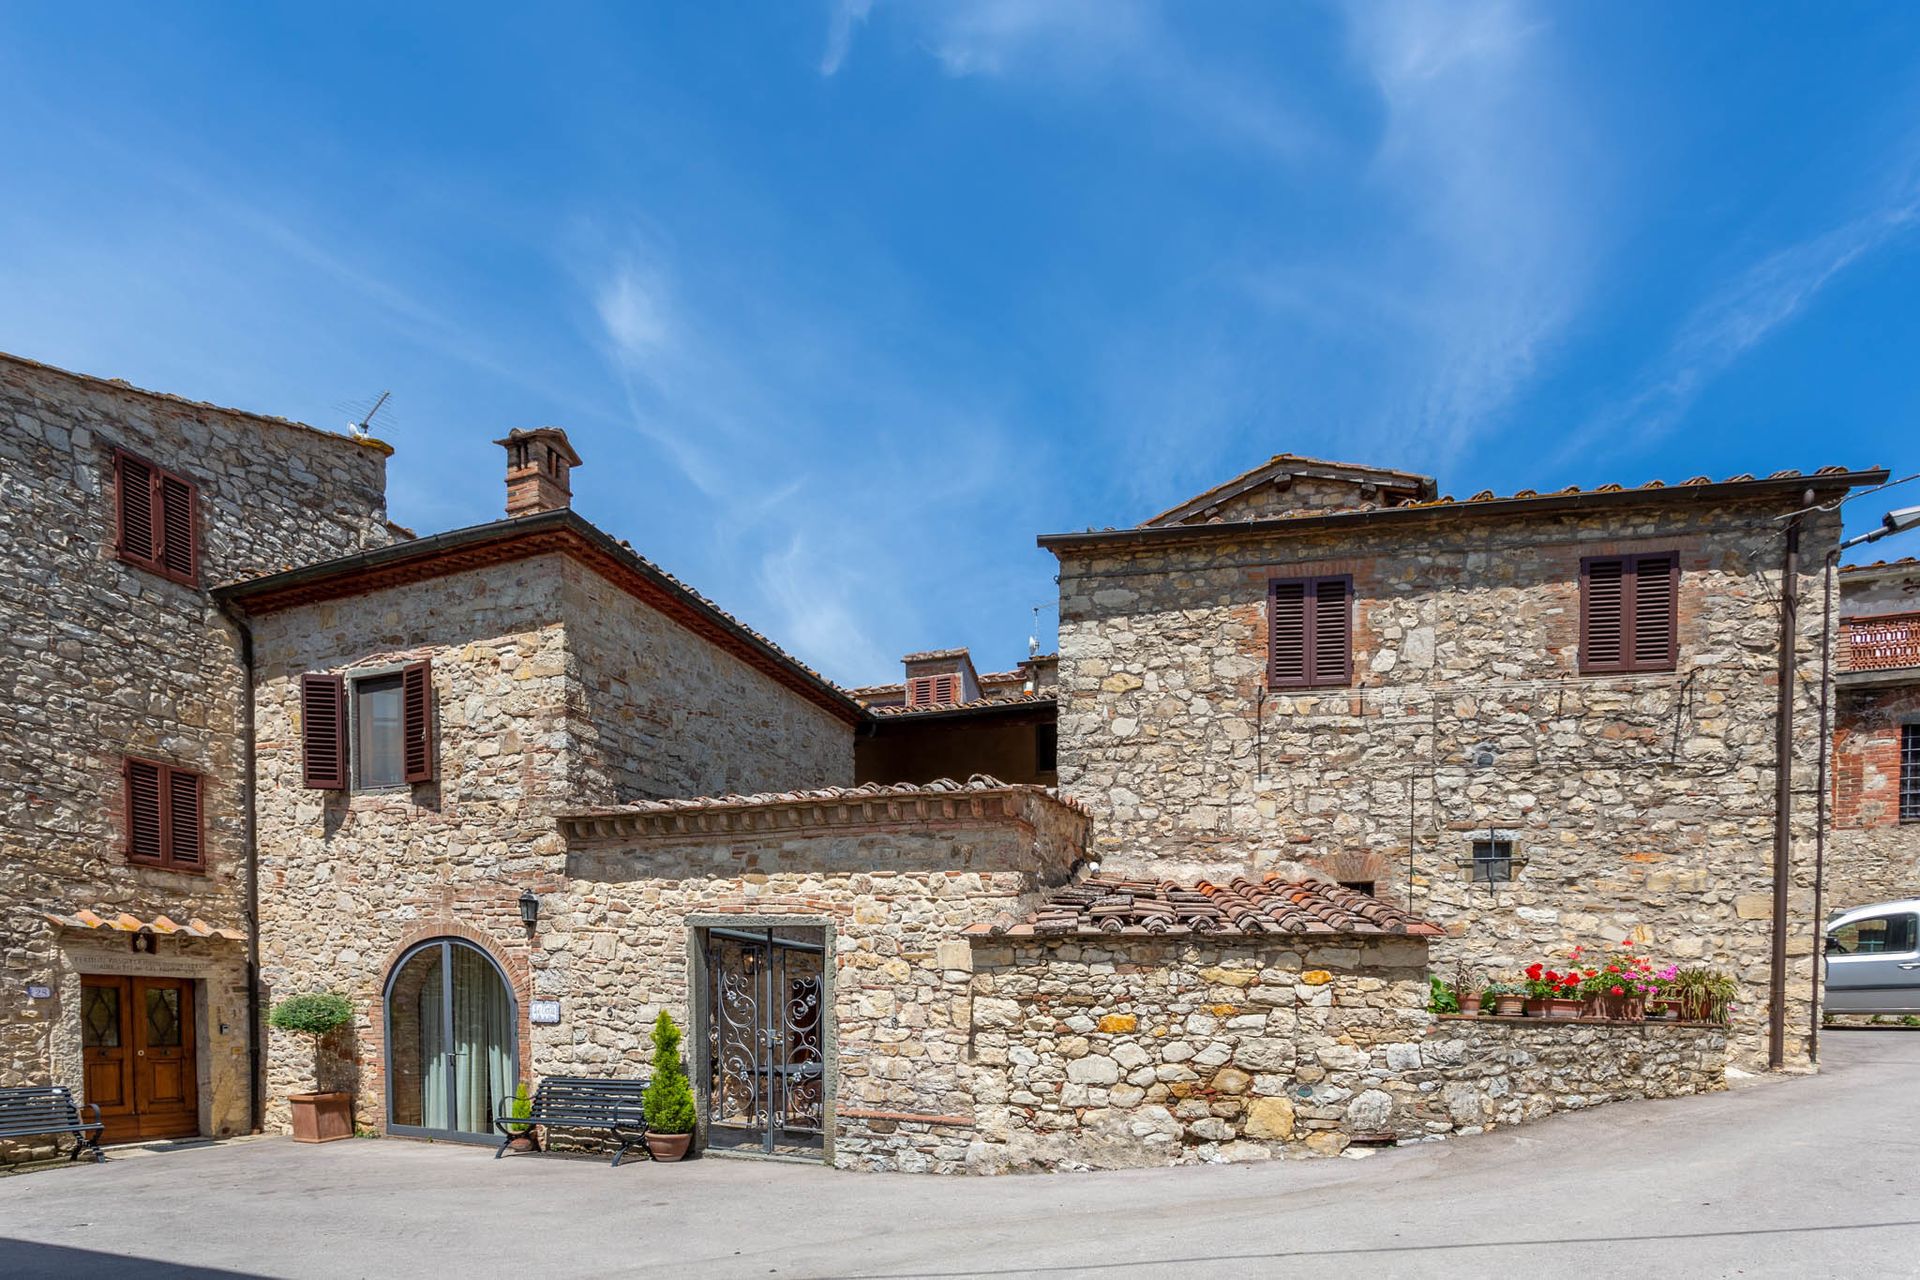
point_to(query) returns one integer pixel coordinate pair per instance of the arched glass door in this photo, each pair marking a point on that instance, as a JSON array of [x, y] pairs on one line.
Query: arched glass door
[[452, 1051]]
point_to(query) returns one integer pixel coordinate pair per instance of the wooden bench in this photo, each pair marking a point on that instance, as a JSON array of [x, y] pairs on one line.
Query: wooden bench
[[48, 1110], [579, 1102]]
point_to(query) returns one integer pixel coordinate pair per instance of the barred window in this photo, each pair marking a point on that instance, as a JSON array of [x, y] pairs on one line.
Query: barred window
[[1910, 773]]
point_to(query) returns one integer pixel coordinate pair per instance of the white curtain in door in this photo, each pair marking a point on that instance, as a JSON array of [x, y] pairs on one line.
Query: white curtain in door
[[482, 1042], [481, 1057]]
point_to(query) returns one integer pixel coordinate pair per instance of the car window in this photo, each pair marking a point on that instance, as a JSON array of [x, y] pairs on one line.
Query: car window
[[1878, 935]]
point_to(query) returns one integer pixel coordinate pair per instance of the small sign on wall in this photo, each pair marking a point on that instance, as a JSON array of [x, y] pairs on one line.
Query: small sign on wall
[[39, 991], [544, 1013]]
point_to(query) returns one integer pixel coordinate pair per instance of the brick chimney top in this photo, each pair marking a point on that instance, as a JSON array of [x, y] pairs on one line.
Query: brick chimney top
[[539, 463]]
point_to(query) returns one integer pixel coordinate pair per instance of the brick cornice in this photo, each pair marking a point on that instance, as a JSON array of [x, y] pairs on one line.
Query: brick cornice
[[818, 812]]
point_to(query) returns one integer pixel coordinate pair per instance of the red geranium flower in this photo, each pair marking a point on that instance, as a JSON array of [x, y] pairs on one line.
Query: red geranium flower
[[1616, 991]]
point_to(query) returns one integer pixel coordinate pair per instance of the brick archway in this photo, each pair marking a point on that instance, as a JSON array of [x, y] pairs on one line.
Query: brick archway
[[513, 969], [1363, 866]]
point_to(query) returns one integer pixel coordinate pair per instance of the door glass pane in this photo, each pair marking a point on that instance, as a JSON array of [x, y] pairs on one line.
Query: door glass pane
[[376, 719], [416, 1051], [735, 1109], [163, 1017], [481, 1052], [100, 1017]]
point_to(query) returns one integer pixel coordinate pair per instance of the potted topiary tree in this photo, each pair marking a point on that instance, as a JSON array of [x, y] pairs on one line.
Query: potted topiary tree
[[669, 1098], [319, 1116]]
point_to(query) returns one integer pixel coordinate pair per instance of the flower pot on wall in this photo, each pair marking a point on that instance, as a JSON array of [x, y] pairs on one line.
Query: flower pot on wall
[[1510, 1006], [1535, 1008], [1561, 1008], [668, 1146], [321, 1117]]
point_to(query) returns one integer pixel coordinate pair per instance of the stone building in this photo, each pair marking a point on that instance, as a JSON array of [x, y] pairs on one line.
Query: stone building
[[1540, 720], [124, 911], [425, 711], [1874, 850]]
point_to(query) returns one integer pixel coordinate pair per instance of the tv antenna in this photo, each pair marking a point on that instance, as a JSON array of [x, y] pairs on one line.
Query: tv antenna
[[364, 425]]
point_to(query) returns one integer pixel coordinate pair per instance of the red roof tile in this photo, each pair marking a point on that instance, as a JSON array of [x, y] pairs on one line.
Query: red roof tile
[[1102, 906]]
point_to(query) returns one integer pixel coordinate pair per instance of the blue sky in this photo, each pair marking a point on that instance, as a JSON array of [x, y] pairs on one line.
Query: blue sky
[[844, 302]]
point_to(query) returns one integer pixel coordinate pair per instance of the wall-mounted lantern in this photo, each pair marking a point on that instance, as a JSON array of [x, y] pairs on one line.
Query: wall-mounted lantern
[[529, 909]]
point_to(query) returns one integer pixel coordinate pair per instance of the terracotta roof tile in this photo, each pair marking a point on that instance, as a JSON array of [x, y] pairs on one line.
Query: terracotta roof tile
[[125, 922], [1112, 905], [1023, 698], [1902, 563], [865, 791]]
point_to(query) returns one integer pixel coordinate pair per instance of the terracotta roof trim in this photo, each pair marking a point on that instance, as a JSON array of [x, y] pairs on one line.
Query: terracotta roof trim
[[896, 711], [563, 532], [1109, 906], [1253, 477], [1902, 565], [1483, 504], [126, 922]]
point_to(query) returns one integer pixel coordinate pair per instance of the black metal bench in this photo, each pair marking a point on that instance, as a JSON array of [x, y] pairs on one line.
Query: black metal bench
[[48, 1110], [579, 1102]]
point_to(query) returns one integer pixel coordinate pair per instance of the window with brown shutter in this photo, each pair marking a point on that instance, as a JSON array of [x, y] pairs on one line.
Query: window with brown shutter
[[1629, 613], [1310, 632], [416, 721], [933, 691], [156, 519], [165, 818], [323, 731]]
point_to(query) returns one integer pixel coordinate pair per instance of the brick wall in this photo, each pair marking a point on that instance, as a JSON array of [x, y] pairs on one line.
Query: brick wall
[[1871, 856], [99, 659], [1642, 804]]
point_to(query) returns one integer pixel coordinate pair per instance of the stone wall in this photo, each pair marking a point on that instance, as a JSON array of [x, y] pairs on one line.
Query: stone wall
[[1642, 806], [99, 660], [1871, 855], [664, 712], [1094, 1055]]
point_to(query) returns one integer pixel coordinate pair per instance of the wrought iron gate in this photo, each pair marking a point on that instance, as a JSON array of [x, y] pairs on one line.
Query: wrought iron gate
[[766, 1054]]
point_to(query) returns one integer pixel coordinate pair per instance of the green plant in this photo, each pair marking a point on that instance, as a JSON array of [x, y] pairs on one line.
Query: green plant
[[1440, 997], [668, 1101], [1703, 994], [1465, 984], [318, 1015], [520, 1108]]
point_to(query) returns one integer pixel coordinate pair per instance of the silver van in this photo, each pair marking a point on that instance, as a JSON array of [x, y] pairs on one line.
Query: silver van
[[1873, 959]]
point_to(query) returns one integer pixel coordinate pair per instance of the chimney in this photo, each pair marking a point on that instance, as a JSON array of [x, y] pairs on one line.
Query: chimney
[[538, 465]]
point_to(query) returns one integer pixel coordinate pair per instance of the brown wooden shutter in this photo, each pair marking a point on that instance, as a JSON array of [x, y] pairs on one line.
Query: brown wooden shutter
[[146, 840], [323, 730], [1655, 612], [1603, 614], [184, 846], [134, 484], [176, 551], [1332, 631], [416, 721], [1287, 633]]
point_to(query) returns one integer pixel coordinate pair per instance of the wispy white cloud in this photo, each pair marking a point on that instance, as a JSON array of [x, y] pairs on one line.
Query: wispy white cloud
[[1750, 306], [843, 18], [1485, 155]]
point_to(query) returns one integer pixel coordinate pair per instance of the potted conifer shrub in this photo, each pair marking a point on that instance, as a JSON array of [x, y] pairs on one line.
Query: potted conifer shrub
[[325, 1115], [668, 1101]]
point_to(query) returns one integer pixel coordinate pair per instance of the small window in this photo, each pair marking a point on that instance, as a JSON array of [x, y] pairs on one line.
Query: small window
[[1882, 935], [934, 691], [1629, 613], [1358, 886], [1910, 773], [1310, 633], [156, 519], [1492, 861], [378, 731], [164, 826], [1046, 747]]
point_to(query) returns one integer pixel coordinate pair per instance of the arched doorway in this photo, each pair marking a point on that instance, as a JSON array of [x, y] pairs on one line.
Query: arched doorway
[[453, 1055]]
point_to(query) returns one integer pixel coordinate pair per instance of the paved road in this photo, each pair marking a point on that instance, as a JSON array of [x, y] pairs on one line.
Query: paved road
[[1785, 1177]]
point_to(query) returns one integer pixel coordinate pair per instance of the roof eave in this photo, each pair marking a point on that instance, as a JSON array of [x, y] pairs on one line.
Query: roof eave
[[1545, 504]]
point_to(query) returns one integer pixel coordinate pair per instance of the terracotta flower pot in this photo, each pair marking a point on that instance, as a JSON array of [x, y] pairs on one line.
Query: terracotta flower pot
[[1564, 1008], [523, 1142], [321, 1117], [1535, 1007], [1470, 1004], [668, 1146], [1510, 1006]]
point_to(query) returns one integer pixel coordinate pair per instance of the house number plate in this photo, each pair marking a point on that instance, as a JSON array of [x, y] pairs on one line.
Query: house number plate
[[544, 1013], [38, 991]]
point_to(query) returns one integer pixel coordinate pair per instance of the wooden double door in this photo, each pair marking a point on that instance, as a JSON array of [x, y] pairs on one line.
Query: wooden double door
[[136, 1036]]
